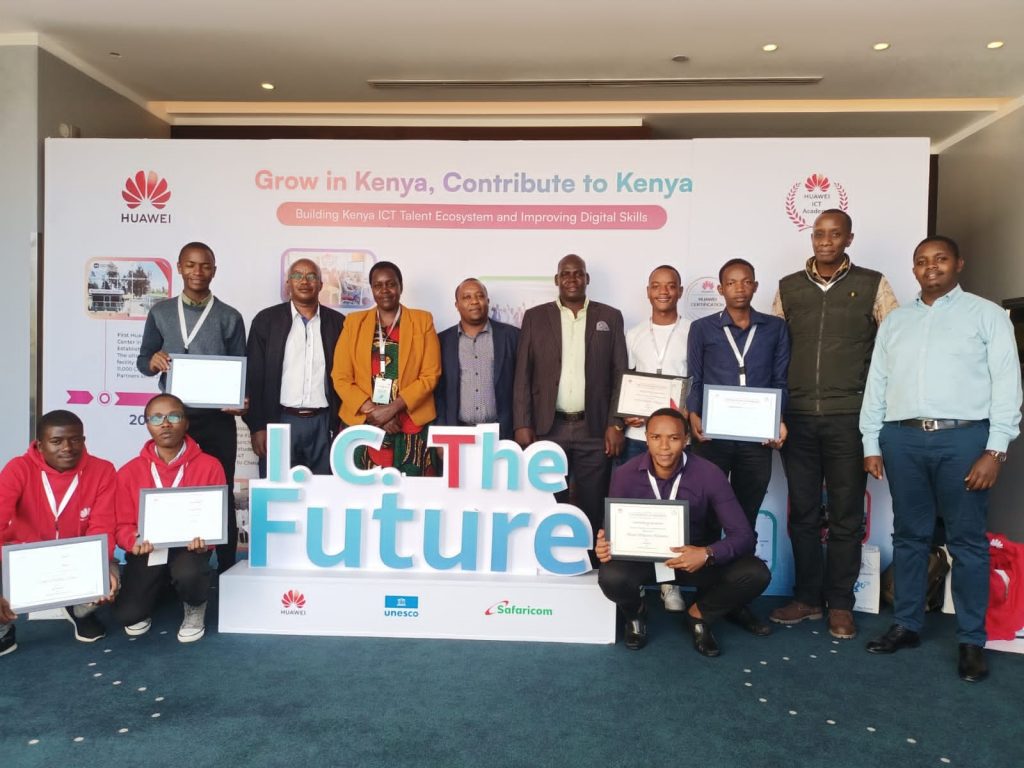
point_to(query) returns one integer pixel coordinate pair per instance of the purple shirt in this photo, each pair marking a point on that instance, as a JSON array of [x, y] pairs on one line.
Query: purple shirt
[[707, 489]]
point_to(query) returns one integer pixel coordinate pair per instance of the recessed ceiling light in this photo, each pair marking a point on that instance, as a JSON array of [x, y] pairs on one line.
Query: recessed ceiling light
[[881, 46], [995, 44], [680, 58], [769, 47], [267, 86]]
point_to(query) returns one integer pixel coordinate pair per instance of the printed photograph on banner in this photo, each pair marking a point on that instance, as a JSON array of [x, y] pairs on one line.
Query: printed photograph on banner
[[511, 296], [241, 491], [345, 273], [701, 298], [125, 289]]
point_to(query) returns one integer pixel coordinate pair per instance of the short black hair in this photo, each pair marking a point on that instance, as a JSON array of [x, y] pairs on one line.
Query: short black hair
[[679, 277], [165, 396], [841, 213], [387, 265], [736, 263], [947, 241], [462, 282], [672, 413], [57, 418], [199, 247]]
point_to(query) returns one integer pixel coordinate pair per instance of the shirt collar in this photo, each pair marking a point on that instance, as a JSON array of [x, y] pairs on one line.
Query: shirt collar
[[812, 271], [563, 308], [189, 303], [946, 299], [296, 313], [756, 318], [485, 329]]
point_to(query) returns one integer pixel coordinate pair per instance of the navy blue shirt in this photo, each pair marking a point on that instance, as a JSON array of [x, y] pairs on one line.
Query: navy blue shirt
[[710, 358]]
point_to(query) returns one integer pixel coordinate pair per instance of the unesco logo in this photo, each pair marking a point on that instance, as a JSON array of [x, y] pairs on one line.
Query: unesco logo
[[402, 606]]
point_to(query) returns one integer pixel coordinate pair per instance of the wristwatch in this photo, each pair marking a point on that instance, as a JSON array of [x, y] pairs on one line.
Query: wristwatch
[[711, 556], [999, 456]]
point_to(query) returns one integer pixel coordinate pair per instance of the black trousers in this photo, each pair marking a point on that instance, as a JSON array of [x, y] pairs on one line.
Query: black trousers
[[829, 449], [141, 583], [589, 468], [216, 434], [749, 469], [720, 588]]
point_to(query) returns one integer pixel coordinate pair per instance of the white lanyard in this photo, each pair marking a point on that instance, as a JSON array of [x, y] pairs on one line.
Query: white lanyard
[[740, 358], [657, 492], [159, 482], [186, 337], [381, 338], [668, 343], [58, 511]]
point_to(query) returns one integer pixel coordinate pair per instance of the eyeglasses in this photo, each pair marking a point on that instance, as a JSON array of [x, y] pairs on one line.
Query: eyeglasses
[[157, 419], [309, 277]]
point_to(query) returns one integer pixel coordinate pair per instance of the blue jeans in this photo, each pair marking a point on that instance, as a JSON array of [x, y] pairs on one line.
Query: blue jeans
[[630, 449], [926, 472]]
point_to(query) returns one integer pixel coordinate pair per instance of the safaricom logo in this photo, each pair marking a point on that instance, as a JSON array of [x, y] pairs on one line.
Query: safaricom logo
[[293, 602], [506, 608], [142, 187]]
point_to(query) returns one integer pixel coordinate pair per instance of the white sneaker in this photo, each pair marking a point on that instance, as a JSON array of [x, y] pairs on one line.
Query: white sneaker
[[139, 628], [193, 627], [672, 598]]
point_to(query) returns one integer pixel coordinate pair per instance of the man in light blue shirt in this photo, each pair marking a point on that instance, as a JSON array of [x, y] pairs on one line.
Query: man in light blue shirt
[[941, 405]]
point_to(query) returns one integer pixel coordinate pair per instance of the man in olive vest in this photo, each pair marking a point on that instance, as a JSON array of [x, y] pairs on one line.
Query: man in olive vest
[[833, 309]]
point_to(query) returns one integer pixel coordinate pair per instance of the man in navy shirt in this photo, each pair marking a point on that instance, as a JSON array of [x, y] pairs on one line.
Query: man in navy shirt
[[725, 571], [738, 347]]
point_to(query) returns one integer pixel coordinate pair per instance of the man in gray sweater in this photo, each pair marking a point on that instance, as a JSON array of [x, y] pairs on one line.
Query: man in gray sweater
[[194, 322]]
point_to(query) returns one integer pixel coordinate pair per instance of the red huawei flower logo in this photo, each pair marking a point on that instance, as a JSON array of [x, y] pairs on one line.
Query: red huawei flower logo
[[293, 599], [146, 186], [814, 181]]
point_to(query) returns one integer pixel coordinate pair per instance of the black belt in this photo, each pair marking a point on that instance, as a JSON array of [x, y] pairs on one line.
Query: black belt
[[304, 413], [933, 425], [574, 416]]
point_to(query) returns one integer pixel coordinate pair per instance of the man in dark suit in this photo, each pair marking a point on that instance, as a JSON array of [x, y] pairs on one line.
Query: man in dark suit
[[478, 363], [571, 354], [288, 379]]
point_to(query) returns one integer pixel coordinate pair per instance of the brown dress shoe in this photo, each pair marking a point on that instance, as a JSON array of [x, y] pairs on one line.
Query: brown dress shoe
[[840, 624], [795, 612]]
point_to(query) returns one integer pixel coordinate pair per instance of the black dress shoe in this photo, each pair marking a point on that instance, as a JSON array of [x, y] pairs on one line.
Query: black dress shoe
[[636, 629], [703, 639], [972, 665], [896, 638], [744, 617]]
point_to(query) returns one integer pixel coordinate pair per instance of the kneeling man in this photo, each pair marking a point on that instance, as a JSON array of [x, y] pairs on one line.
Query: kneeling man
[[56, 490], [725, 572], [171, 459]]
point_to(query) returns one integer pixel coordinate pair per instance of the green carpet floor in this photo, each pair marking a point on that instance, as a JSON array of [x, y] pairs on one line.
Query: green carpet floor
[[797, 698]]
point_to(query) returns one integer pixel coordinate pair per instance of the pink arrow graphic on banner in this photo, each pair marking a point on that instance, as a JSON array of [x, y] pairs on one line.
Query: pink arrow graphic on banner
[[133, 398], [79, 397]]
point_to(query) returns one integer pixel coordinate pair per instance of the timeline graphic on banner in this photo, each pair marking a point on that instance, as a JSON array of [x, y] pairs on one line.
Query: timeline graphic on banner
[[118, 211]]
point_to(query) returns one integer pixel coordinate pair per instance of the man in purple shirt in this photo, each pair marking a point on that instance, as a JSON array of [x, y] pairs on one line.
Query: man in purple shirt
[[725, 571]]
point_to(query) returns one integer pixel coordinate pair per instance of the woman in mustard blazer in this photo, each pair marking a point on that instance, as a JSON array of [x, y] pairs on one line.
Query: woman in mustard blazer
[[386, 366]]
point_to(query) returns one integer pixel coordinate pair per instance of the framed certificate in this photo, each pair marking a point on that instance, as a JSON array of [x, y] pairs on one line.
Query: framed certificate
[[53, 574], [207, 381], [172, 517], [641, 394], [646, 529], [742, 413]]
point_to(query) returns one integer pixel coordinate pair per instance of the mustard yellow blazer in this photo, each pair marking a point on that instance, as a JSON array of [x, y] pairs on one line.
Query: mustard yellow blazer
[[419, 364]]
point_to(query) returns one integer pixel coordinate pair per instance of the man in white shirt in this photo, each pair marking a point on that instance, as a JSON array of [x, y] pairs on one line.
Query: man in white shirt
[[658, 345], [290, 353]]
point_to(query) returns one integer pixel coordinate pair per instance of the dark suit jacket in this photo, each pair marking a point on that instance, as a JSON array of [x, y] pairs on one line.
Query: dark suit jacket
[[265, 361], [446, 396], [539, 366]]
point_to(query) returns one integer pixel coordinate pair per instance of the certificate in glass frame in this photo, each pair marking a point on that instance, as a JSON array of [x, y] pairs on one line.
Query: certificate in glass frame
[[646, 529], [172, 517], [53, 574], [208, 381], [751, 414]]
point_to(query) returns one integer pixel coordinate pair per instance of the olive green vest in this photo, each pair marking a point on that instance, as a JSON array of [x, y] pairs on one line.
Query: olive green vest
[[832, 335]]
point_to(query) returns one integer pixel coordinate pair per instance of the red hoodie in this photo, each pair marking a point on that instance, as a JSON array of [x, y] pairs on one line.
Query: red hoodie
[[25, 514], [199, 469]]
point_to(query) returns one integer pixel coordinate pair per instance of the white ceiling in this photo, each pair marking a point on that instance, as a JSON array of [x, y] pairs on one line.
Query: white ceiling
[[192, 61]]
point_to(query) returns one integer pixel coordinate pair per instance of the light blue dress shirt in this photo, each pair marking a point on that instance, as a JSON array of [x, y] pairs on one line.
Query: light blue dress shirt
[[955, 359]]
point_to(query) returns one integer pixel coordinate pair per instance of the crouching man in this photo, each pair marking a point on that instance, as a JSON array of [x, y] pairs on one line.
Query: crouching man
[[171, 459], [725, 572]]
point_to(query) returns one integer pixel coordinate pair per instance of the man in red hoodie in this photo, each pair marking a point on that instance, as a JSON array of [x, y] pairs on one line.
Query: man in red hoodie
[[171, 459], [56, 490]]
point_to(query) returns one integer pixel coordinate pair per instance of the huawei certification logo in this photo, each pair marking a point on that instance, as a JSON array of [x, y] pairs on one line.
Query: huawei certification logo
[[293, 603], [144, 190], [808, 198]]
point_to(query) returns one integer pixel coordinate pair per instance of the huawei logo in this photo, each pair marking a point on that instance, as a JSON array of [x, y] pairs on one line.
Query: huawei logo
[[293, 599], [146, 186], [814, 181]]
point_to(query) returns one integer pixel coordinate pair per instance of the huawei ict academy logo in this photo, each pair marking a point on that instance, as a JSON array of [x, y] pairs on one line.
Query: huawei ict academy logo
[[146, 190], [508, 608], [808, 198], [293, 603]]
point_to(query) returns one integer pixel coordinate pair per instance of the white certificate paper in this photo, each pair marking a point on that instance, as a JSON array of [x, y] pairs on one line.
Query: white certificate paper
[[53, 574], [207, 381], [172, 517], [641, 394], [646, 529], [742, 413]]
